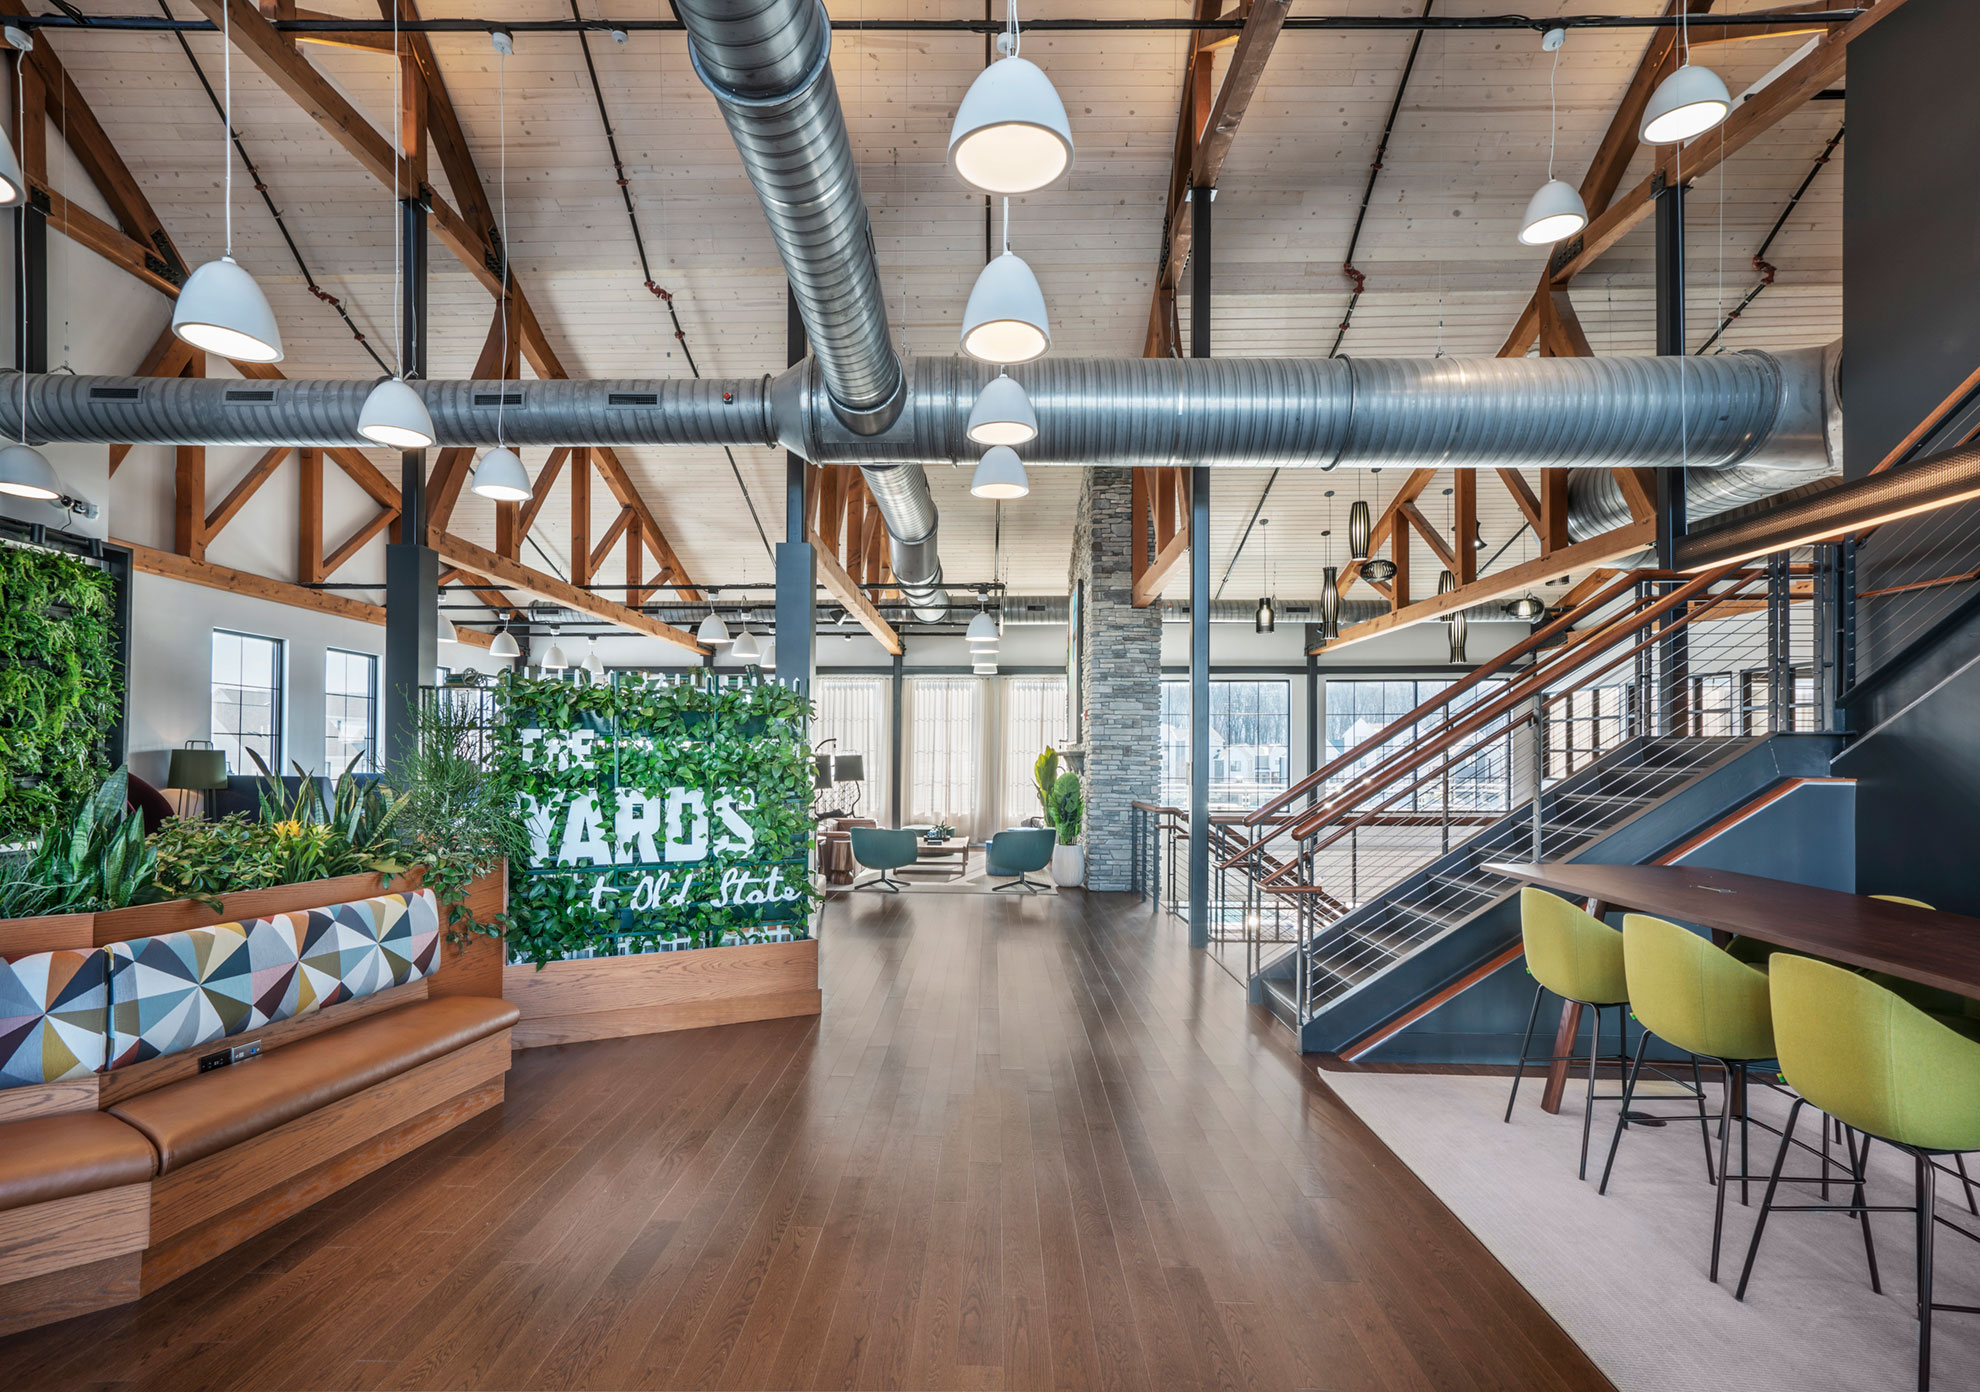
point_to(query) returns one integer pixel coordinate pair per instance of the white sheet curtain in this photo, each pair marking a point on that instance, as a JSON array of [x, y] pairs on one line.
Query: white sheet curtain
[[969, 747], [854, 710]]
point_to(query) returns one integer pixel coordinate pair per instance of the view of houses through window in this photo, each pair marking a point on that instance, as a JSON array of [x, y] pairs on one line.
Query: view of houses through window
[[350, 711], [1250, 742], [247, 699]]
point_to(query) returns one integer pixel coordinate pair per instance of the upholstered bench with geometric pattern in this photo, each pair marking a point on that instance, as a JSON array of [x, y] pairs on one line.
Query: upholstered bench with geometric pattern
[[125, 1162]]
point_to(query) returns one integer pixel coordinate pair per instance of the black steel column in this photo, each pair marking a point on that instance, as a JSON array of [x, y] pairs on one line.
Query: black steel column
[[1674, 651], [1200, 203], [30, 264], [797, 562], [896, 742], [412, 569]]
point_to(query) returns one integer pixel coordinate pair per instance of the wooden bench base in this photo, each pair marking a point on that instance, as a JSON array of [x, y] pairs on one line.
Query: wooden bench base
[[72, 1256]]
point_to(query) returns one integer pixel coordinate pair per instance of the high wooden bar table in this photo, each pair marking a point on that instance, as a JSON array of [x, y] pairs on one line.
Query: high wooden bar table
[[1922, 945]]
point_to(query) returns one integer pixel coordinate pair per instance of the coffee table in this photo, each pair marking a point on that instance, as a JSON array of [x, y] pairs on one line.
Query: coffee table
[[936, 854]]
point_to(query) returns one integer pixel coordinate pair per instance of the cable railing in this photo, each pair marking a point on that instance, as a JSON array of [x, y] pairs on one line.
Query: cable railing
[[1630, 693]]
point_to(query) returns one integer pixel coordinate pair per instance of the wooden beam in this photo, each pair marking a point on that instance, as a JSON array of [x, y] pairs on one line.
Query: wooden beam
[[1204, 132], [309, 517], [1148, 588], [151, 561], [1432, 537], [355, 542], [1522, 493], [611, 537], [258, 473], [1464, 510], [189, 487], [1698, 35], [546, 479], [537, 585], [635, 562], [1584, 587], [453, 464], [1560, 327], [841, 587], [1639, 490], [1399, 552], [581, 515], [1553, 528], [86, 229], [1599, 550]]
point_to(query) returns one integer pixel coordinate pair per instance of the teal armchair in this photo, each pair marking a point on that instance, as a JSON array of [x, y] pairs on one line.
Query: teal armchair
[[885, 850], [1018, 852]]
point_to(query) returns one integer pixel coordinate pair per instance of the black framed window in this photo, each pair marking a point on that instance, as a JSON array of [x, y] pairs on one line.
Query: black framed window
[[247, 699], [350, 711], [1250, 742]]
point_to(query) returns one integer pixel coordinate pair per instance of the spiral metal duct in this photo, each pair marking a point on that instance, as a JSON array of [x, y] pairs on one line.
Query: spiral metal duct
[[1762, 412], [768, 62]]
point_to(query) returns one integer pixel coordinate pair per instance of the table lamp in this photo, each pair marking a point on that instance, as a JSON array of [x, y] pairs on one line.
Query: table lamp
[[200, 768]]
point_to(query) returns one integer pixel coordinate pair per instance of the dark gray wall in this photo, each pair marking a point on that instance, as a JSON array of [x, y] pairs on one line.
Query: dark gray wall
[[1911, 223], [1804, 837]]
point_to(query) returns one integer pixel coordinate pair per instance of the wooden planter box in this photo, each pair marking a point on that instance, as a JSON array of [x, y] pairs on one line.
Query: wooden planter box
[[651, 993], [475, 970]]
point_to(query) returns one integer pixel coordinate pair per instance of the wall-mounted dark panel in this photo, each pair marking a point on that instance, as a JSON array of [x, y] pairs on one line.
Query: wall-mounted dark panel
[[1911, 207]]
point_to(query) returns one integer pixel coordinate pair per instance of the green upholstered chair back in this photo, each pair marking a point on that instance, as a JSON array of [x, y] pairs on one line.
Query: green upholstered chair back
[[883, 848], [1872, 1060], [1689, 993], [1570, 952], [1019, 851]]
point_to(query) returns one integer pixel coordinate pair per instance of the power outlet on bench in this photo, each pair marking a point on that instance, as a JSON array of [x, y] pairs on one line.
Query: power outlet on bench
[[244, 1052], [220, 1059]]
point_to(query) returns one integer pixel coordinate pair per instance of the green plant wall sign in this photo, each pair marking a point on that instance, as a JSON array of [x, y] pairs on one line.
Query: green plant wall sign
[[61, 687], [671, 814]]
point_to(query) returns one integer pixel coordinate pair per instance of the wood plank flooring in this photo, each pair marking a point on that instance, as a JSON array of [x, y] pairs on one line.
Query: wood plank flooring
[[1030, 1144]]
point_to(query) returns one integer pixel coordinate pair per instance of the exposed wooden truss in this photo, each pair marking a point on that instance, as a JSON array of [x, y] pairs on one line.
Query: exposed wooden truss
[[511, 575], [1596, 551], [843, 524], [1161, 522], [171, 565], [1205, 127]]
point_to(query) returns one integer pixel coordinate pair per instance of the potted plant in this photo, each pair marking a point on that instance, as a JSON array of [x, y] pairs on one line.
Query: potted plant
[[941, 832], [1067, 809]]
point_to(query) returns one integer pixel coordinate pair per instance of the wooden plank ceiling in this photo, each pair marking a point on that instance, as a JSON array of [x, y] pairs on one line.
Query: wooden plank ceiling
[[1443, 269]]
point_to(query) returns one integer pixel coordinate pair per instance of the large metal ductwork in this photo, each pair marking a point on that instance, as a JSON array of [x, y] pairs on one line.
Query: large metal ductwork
[[1765, 415], [768, 62], [1596, 503]]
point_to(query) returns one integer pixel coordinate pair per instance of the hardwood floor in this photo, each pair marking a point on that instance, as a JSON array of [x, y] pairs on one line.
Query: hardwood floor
[[1030, 1144]]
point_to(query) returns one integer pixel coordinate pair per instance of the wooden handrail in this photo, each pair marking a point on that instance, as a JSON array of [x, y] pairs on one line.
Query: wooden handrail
[[1535, 678], [1539, 638]]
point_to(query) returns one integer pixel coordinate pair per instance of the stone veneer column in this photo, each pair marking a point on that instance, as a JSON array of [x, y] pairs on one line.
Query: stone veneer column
[[1121, 677]]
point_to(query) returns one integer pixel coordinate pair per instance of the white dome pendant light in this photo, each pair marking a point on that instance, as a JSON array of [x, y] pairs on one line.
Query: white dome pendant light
[[744, 649], [1011, 134], [593, 664], [554, 660], [505, 644], [1005, 321], [1691, 101], [713, 632], [13, 187], [999, 475], [446, 632], [393, 414], [220, 309], [500, 474], [1002, 414], [1555, 211]]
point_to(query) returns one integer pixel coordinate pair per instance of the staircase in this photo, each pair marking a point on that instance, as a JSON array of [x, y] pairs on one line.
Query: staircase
[[1640, 714]]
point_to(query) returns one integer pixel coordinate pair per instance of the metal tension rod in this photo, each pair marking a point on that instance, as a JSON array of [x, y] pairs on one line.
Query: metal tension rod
[[302, 28]]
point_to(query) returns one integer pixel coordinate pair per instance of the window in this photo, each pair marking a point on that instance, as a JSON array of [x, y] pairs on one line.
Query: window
[[1586, 724], [247, 699], [943, 750], [1034, 717], [1359, 710], [853, 711], [1250, 742], [350, 711]]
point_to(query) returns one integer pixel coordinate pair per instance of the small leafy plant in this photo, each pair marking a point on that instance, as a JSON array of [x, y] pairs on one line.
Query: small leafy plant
[[99, 860], [1045, 773], [1067, 808]]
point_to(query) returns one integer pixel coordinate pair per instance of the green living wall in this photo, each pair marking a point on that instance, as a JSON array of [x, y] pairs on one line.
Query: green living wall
[[662, 813], [61, 688]]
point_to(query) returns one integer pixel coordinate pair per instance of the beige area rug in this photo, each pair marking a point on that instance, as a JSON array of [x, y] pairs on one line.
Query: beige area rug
[[1625, 1275], [976, 882]]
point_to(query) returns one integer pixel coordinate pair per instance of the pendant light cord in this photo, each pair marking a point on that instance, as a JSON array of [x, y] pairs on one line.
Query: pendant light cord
[[502, 188], [1011, 25], [1007, 227], [227, 121], [398, 218], [1553, 111], [20, 124]]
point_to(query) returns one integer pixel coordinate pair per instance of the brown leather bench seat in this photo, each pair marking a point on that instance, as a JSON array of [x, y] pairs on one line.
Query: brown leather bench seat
[[189, 1120], [58, 1157]]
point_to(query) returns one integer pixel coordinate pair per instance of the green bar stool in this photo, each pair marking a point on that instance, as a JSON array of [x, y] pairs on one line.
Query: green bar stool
[[1580, 959], [1700, 999], [1881, 1066]]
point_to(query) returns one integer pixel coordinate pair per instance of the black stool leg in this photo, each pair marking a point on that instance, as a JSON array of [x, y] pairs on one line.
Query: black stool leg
[[1927, 1199], [1525, 1047], [1725, 1154], [1964, 1179], [1629, 1095], [1860, 1162], [1588, 1108], [1704, 1120], [1766, 1204]]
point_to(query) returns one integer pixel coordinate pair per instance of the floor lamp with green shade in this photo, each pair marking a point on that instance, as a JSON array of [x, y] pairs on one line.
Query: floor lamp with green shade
[[197, 767]]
